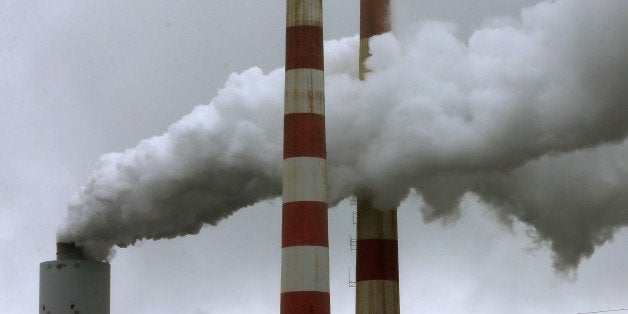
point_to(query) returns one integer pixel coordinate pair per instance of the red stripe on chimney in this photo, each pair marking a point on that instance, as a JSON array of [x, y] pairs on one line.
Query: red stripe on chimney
[[304, 135], [305, 302], [374, 19], [304, 223], [304, 47], [377, 260]]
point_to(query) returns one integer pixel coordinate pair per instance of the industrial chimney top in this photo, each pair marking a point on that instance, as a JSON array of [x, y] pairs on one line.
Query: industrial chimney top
[[69, 250]]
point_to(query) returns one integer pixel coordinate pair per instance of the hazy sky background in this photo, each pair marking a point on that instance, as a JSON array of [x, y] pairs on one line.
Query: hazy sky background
[[82, 78]]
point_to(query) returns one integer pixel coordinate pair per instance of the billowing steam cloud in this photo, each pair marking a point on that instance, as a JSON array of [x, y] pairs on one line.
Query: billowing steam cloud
[[531, 115]]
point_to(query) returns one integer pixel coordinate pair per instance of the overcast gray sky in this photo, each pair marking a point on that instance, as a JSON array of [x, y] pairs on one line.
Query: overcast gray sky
[[79, 79]]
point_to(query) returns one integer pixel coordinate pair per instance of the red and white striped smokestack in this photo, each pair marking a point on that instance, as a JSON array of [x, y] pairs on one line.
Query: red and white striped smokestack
[[377, 263], [374, 20], [305, 247]]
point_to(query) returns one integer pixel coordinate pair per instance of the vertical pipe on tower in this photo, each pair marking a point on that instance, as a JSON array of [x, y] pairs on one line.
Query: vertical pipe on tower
[[305, 247], [377, 262]]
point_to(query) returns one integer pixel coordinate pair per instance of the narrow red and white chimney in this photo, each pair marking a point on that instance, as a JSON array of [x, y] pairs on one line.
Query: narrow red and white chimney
[[305, 246], [377, 262]]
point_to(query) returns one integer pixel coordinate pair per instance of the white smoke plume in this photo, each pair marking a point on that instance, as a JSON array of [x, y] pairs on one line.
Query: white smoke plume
[[531, 115]]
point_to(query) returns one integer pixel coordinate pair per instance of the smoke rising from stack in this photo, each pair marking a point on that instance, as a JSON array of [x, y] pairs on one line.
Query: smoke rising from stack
[[531, 115]]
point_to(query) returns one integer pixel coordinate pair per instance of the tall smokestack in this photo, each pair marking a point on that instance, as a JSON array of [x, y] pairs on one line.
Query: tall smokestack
[[72, 284], [377, 262], [305, 248]]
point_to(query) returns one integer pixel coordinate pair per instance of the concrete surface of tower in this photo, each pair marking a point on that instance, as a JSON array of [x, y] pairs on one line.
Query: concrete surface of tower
[[72, 284], [305, 248], [377, 261]]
